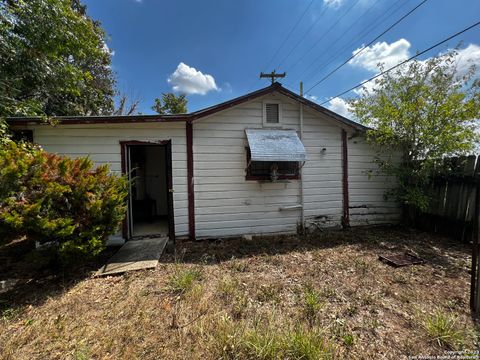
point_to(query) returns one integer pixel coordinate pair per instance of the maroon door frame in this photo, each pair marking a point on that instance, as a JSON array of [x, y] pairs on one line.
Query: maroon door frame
[[345, 188], [191, 185], [168, 162]]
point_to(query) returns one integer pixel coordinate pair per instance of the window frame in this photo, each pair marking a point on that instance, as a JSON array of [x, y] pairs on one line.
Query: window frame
[[249, 176], [280, 113]]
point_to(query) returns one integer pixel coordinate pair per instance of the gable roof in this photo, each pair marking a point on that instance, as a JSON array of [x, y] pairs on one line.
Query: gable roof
[[193, 116]]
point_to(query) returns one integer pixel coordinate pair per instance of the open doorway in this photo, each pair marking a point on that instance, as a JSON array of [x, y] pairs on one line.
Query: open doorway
[[150, 211]]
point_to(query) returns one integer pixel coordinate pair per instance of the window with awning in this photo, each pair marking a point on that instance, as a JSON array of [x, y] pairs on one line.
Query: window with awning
[[274, 154]]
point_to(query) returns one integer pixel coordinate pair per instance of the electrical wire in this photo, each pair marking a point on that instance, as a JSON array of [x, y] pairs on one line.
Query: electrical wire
[[303, 37], [289, 34], [366, 46], [400, 64], [321, 37], [285, 40], [380, 20]]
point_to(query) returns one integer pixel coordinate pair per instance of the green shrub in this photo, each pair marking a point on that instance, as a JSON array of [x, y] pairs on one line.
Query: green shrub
[[49, 197]]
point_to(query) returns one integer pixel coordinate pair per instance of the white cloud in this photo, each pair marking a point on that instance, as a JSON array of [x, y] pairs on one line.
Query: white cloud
[[381, 52], [341, 107], [107, 49], [189, 80], [333, 3], [467, 57], [311, 97], [463, 61]]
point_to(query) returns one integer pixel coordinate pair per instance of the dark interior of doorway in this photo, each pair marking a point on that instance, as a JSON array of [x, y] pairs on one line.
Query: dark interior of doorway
[[149, 191]]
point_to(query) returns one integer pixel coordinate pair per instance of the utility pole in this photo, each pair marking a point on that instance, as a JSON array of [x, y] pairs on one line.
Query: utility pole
[[273, 75]]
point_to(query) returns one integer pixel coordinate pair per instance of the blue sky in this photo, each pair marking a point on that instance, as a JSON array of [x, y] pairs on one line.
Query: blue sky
[[215, 50]]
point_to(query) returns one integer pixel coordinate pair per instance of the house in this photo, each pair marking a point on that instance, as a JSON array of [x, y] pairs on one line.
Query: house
[[262, 163]]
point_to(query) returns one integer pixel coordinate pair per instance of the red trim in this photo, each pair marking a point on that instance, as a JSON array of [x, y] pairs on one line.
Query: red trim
[[76, 120], [266, 178], [190, 186], [345, 190], [124, 171], [118, 119]]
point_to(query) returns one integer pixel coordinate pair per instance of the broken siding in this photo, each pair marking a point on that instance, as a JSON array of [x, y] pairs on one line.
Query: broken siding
[[322, 173], [367, 187], [101, 142]]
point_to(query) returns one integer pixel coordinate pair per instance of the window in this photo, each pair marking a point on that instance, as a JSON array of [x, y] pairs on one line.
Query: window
[[267, 170], [272, 113]]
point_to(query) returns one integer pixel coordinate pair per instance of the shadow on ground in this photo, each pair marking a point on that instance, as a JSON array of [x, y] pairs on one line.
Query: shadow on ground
[[35, 283], [384, 240], [27, 277]]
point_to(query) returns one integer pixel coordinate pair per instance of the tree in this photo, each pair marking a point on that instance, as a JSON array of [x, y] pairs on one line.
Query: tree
[[53, 60], [126, 107], [171, 104], [425, 111]]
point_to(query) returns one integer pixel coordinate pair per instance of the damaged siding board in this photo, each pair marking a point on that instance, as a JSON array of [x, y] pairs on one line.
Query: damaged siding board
[[367, 201], [101, 142], [322, 173]]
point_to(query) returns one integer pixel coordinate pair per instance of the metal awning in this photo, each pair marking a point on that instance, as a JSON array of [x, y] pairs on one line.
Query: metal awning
[[275, 145]]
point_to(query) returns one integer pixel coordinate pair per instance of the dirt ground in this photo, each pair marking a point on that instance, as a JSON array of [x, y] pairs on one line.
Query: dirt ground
[[326, 296]]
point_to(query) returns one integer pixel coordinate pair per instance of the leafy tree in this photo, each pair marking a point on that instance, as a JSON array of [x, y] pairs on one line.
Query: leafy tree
[[171, 104], [424, 111], [53, 60]]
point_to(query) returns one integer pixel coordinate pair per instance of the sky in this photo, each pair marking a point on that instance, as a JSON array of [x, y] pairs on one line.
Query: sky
[[214, 50]]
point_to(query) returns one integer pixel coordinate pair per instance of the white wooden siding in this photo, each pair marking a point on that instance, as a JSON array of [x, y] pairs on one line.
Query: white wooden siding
[[227, 204], [101, 142], [368, 204]]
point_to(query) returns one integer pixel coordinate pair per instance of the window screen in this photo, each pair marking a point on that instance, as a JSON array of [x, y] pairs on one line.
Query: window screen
[[262, 170]]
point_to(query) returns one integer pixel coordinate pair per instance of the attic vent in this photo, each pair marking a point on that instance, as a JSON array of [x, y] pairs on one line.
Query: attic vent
[[272, 113]]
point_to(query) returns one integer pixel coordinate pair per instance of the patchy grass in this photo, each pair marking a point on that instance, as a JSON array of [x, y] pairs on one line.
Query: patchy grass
[[184, 279], [445, 329], [322, 297]]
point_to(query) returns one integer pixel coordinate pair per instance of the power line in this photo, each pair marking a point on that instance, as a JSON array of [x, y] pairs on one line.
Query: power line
[[364, 32], [286, 39], [402, 63], [367, 30], [366, 46], [321, 37], [289, 34], [325, 8]]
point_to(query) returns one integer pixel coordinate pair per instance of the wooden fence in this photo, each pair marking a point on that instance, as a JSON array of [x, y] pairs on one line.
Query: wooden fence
[[455, 210]]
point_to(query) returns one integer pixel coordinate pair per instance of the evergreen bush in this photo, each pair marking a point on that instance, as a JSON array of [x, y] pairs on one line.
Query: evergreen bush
[[52, 198]]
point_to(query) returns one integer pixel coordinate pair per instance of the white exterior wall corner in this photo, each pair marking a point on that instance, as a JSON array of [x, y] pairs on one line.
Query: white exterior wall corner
[[101, 142], [367, 187]]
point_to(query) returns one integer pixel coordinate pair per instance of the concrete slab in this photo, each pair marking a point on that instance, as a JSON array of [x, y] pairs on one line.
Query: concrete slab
[[135, 255]]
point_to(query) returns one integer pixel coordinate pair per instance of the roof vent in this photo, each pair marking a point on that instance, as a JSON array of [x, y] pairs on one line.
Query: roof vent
[[272, 113]]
